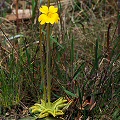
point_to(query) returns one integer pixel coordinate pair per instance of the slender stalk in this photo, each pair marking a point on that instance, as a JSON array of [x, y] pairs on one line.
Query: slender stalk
[[118, 17], [42, 66], [17, 20], [48, 64], [48, 3], [108, 43]]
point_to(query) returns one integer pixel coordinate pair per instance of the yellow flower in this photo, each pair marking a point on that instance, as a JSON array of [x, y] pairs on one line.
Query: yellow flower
[[49, 15]]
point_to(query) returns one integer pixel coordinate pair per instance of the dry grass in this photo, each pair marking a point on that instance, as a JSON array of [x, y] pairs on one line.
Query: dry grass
[[84, 23]]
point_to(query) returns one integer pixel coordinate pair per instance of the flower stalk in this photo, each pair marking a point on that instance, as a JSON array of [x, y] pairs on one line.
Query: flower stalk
[[48, 62], [48, 3], [42, 65], [48, 65]]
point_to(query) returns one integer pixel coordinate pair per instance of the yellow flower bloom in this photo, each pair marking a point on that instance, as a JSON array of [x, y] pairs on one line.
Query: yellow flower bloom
[[49, 15]]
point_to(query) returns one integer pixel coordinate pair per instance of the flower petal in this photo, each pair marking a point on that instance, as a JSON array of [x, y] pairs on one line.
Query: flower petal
[[42, 22], [54, 18], [51, 20], [52, 9], [42, 19], [39, 19], [44, 9]]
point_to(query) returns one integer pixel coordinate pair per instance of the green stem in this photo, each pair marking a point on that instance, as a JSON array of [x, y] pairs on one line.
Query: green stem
[[48, 3], [48, 64], [42, 66]]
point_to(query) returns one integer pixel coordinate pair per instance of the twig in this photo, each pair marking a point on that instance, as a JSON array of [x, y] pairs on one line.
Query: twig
[[108, 43], [17, 20], [8, 40], [118, 17]]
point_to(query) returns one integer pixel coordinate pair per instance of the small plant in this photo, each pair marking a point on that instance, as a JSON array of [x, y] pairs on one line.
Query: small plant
[[45, 109], [50, 16]]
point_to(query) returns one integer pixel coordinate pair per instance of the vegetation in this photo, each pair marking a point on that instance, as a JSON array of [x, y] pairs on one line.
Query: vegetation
[[84, 61]]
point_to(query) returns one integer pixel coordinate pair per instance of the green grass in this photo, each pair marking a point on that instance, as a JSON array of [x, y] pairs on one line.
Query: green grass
[[79, 61]]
